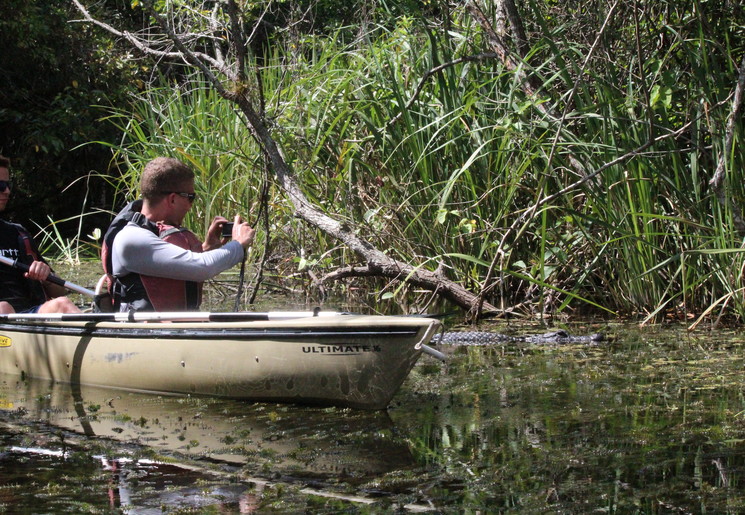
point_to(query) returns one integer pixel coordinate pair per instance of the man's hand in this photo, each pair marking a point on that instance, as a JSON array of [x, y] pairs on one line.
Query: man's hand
[[214, 239], [242, 232], [38, 271]]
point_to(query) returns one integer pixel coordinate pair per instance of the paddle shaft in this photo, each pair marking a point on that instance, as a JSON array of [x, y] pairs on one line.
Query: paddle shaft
[[52, 278], [434, 353], [165, 316]]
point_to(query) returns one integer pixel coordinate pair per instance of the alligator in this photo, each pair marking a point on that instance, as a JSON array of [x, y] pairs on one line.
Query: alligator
[[486, 338]]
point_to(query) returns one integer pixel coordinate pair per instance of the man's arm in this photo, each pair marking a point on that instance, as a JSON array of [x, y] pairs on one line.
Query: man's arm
[[140, 251]]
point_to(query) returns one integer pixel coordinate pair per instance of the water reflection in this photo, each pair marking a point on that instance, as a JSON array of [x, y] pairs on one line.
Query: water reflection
[[645, 427], [40, 480], [237, 448], [287, 440]]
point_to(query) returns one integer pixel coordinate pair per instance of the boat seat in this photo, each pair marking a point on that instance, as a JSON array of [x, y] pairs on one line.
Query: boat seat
[[102, 301]]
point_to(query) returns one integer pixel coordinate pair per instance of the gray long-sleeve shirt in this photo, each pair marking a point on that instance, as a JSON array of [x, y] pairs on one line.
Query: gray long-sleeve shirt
[[137, 250]]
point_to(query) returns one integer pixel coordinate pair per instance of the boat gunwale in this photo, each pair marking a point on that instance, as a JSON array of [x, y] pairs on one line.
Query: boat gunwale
[[356, 326], [219, 332]]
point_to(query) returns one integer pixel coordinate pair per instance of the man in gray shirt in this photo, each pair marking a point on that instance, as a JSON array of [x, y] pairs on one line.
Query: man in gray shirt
[[156, 264]]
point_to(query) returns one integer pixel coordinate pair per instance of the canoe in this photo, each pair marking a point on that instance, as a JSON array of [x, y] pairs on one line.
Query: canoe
[[326, 358]]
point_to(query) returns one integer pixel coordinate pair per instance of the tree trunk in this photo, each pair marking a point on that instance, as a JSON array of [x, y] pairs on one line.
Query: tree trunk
[[717, 180]]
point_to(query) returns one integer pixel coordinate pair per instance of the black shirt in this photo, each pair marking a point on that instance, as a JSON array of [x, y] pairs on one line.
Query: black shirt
[[20, 292]]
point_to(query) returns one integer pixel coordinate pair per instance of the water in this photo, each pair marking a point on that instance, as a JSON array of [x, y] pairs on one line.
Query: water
[[112, 448], [651, 422]]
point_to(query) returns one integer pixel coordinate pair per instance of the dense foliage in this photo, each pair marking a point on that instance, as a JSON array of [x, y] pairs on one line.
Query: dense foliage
[[55, 74], [578, 178]]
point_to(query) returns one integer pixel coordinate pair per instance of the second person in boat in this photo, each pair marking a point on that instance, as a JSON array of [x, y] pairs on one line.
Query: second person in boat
[[25, 292], [155, 264]]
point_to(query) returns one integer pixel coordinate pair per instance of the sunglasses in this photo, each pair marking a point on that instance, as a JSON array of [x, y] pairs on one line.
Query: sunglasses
[[188, 196], [5, 185]]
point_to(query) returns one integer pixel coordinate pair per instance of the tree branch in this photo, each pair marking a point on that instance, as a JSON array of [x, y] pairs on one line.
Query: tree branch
[[717, 180], [145, 45], [432, 281], [516, 66], [433, 71], [377, 262]]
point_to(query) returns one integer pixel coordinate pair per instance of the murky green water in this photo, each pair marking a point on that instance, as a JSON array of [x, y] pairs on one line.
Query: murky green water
[[651, 422]]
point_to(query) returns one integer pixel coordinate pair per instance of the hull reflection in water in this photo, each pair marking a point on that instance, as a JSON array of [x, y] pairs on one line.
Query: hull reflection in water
[[317, 443]]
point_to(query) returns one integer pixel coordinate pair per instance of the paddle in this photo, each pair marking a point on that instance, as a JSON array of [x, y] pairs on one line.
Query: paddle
[[166, 316], [52, 278]]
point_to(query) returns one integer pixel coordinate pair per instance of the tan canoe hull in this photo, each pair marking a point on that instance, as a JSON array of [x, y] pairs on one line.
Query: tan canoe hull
[[350, 360]]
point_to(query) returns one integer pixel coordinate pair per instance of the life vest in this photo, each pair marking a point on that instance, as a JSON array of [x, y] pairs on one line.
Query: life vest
[[143, 292]]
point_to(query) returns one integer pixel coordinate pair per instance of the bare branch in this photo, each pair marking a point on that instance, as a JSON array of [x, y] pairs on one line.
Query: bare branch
[[433, 71], [503, 53], [518, 68], [145, 45], [516, 24], [432, 281], [239, 40], [717, 180], [570, 98]]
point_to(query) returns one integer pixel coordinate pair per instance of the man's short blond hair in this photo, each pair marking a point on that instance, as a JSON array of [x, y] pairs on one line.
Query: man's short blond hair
[[164, 175]]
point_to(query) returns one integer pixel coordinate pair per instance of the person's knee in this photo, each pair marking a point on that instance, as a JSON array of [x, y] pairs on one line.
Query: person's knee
[[6, 308], [59, 305], [67, 306]]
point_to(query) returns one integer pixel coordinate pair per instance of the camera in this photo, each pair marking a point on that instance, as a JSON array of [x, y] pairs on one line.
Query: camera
[[227, 229]]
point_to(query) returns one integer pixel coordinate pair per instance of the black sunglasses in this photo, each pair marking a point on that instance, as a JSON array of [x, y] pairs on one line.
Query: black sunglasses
[[188, 196], [5, 185]]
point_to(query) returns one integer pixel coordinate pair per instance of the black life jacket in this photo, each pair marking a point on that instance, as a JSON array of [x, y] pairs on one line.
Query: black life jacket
[[148, 293], [27, 292]]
